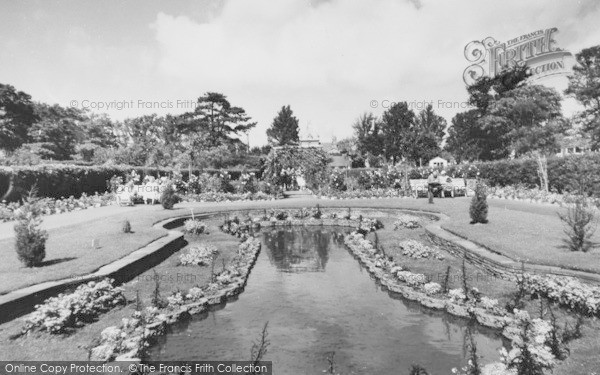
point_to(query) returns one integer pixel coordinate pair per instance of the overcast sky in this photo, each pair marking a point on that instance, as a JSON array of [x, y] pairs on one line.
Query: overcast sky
[[327, 59]]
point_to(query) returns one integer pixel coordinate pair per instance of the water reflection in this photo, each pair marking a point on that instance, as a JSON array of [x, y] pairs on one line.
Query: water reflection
[[310, 314], [300, 249]]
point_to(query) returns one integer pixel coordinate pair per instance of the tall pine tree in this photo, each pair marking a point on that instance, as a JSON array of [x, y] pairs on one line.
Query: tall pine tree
[[284, 129]]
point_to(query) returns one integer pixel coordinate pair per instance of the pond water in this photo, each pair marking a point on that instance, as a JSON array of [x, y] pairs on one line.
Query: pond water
[[317, 300]]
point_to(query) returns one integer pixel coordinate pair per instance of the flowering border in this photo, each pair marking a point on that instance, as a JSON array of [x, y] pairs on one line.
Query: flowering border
[[128, 341]]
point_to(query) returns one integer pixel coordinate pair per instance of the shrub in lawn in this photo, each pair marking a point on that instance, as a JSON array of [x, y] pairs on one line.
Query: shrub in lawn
[[580, 226], [169, 197], [30, 238], [126, 226], [479, 205]]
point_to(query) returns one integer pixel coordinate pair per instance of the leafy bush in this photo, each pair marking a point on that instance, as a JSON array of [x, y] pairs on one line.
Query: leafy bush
[[126, 226], [566, 291], [198, 255], [193, 226], [30, 238], [479, 206], [580, 226], [338, 181], [169, 198]]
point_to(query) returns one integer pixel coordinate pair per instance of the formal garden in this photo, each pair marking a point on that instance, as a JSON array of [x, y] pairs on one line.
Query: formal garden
[[169, 238], [540, 319]]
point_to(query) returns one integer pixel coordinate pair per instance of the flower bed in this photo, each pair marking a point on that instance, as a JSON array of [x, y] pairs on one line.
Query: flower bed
[[51, 206], [66, 311], [363, 194], [407, 221], [198, 256], [474, 306], [567, 291], [417, 250], [228, 197], [129, 340]]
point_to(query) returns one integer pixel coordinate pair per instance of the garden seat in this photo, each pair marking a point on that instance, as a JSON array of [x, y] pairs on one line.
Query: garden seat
[[418, 187], [454, 186], [149, 192]]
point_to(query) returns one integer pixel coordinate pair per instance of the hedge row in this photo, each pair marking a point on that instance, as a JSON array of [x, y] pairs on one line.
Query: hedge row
[[60, 180], [564, 173]]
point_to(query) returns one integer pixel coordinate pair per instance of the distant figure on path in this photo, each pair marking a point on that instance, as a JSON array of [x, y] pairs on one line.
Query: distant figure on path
[[433, 185]]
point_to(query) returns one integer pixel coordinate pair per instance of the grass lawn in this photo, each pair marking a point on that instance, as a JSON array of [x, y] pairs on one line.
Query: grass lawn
[[529, 236], [69, 251]]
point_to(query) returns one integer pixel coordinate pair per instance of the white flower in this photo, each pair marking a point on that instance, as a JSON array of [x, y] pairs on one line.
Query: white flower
[[198, 255], [417, 250], [488, 303], [406, 221], [456, 295], [432, 288]]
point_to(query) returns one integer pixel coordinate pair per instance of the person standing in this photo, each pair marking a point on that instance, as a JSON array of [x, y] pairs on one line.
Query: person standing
[[433, 185]]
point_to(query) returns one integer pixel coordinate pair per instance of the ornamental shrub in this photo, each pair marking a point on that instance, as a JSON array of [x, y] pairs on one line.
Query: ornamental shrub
[[30, 238], [580, 226], [194, 226], [169, 197], [126, 226], [479, 205]]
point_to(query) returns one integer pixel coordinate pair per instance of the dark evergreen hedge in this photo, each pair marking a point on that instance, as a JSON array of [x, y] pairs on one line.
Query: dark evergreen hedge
[[62, 180]]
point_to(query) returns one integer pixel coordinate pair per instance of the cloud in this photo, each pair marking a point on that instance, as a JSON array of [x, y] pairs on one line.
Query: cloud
[[349, 52]]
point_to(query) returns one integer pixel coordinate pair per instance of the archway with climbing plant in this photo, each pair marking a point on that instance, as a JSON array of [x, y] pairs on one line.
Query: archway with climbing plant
[[285, 164]]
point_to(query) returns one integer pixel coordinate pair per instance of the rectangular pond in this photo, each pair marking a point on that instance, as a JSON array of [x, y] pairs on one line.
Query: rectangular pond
[[318, 300]]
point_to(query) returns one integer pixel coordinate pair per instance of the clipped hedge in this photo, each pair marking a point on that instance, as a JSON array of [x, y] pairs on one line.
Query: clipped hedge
[[63, 180]]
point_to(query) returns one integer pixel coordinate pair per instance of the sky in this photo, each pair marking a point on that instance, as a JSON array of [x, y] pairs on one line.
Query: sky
[[329, 60]]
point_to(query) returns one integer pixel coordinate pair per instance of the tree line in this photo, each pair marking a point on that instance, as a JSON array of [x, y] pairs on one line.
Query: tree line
[[209, 136]]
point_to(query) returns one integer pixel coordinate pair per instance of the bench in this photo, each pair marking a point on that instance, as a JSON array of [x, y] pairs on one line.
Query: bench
[[150, 192], [455, 186], [451, 186], [418, 187]]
